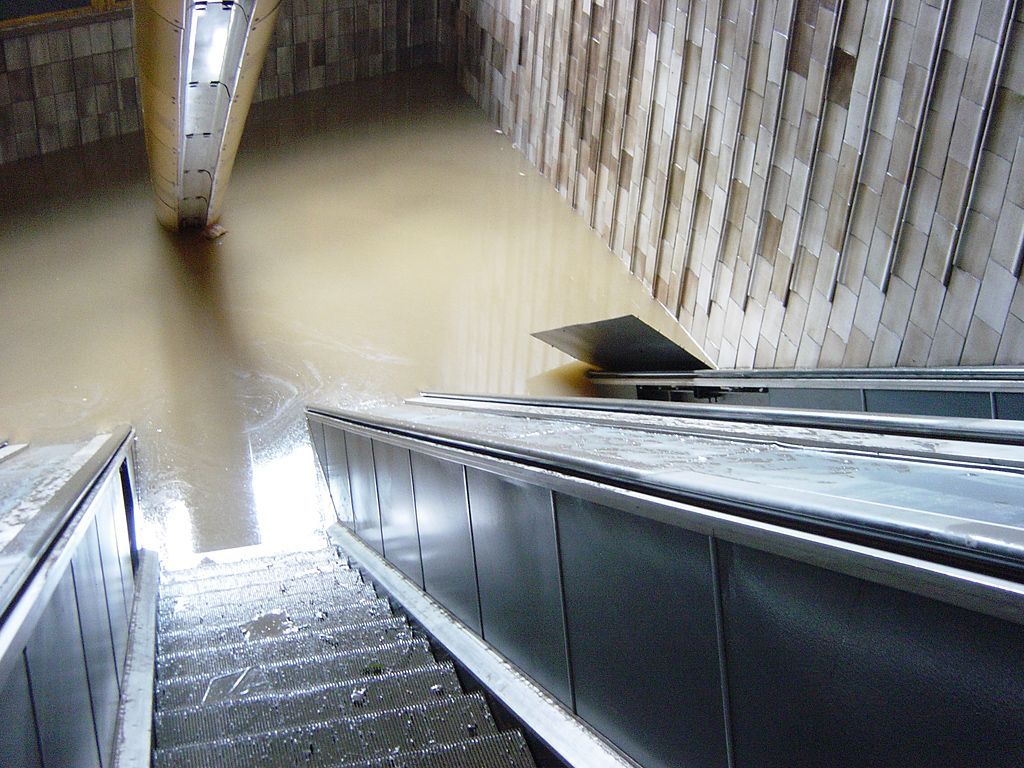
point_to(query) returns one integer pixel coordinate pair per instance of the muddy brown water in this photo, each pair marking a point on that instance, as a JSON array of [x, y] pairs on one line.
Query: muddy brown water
[[383, 239]]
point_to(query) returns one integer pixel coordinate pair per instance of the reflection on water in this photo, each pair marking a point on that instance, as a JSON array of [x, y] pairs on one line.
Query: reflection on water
[[382, 239]]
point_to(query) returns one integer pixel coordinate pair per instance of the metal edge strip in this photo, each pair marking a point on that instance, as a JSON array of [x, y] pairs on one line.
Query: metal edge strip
[[947, 428], [133, 740], [562, 731]]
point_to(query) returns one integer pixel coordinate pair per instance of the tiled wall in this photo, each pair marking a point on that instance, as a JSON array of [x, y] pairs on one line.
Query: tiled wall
[[318, 43], [67, 83], [801, 182], [62, 85]]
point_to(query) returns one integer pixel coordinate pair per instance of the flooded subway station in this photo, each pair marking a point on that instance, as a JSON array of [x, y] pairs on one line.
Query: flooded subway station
[[305, 484], [382, 239]]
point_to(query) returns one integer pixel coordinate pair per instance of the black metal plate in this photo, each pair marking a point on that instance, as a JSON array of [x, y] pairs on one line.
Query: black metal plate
[[640, 608], [60, 688], [621, 344], [829, 670], [362, 481], [518, 575], [96, 636], [397, 509], [18, 744], [446, 540]]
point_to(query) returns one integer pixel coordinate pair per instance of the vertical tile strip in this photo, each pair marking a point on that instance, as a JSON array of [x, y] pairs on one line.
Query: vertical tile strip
[[645, 159], [922, 119], [719, 252], [762, 215], [822, 114], [953, 252], [854, 191], [625, 117], [599, 121], [573, 181], [692, 223], [673, 148]]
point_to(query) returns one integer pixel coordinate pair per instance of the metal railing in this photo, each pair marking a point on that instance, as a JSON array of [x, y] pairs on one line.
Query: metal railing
[[702, 599]]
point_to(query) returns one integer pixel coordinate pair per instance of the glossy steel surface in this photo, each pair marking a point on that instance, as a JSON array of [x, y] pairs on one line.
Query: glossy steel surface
[[398, 509], [60, 688], [639, 606], [382, 239], [96, 638], [517, 570], [826, 669], [365, 502], [446, 540], [18, 746]]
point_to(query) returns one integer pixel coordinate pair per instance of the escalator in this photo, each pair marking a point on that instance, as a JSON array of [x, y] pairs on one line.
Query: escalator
[[541, 582]]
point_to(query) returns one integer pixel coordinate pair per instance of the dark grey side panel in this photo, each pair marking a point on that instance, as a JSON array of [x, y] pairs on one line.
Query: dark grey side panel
[[397, 509], [18, 743], [518, 574], [117, 606], [639, 600], [829, 670], [1010, 405], [976, 405], [365, 510], [96, 636], [60, 688], [446, 541], [822, 399]]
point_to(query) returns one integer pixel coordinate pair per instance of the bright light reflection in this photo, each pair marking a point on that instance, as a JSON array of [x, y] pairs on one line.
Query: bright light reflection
[[173, 537], [291, 499]]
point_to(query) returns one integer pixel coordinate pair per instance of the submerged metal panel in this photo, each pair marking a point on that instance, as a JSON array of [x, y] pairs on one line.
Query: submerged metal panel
[[91, 596], [118, 607], [60, 688], [974, 405], [518, 575], [621, 344], [397, 509], [337, 472], [18, 743], [365, 509], [818, 399], [640, 609], [446, 540], [830, 670]]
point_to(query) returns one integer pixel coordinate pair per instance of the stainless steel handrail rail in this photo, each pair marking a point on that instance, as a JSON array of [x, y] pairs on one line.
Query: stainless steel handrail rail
[[55, 515], [946, 428]]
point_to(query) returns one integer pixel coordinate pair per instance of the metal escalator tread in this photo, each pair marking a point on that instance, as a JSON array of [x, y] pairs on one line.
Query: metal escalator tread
[[171, 580], [311, 670], [294, 660], [328, 740], [281, 708], [214, 660], [309, 619]]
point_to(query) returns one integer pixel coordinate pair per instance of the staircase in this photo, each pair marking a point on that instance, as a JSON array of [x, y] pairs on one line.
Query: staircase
[[294, 660]]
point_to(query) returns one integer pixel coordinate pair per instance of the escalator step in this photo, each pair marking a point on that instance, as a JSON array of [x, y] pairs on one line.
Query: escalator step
[[205, 585], [212, 661], [278, 588], [502, 750], [320, 597], [292, 674], [284, 562], [325, 742], [207, 633], [283, 709]]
